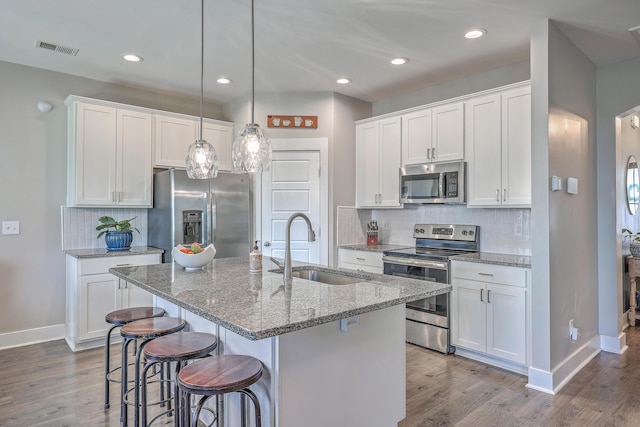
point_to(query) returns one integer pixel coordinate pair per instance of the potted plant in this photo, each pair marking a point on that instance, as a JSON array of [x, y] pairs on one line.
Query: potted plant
[[118, 235], [634, 241]]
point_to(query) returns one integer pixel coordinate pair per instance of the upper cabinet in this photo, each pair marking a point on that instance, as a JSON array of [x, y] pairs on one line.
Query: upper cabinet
[[378, 163], [174, 134], [433, 134], [498, 146], [109, 156]]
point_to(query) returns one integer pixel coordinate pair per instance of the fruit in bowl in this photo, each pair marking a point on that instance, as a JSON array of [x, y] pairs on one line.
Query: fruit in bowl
[[193, 257]]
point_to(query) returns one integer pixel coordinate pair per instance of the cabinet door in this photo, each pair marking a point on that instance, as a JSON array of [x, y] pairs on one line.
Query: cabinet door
[[133, 296], [389, 164], [134, 172], [172, 139], [93, 156], [506, 322], [468, 314], [516, 147], [448, 133], [221, 137], [367, 164], [483, 147], [416, 137], [99, 295]]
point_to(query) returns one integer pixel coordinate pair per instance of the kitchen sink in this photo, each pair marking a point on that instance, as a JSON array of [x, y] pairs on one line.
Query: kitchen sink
[[322, 276]]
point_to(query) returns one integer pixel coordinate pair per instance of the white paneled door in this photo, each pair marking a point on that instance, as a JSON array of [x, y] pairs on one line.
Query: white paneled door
[[292, 185]]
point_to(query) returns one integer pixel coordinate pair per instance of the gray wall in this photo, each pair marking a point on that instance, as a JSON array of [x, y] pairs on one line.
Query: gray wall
[[564, 257], [483, 81], [618, 93], [33, 176]]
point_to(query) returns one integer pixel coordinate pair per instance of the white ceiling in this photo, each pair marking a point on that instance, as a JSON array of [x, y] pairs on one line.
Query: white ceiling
[[302, 45]]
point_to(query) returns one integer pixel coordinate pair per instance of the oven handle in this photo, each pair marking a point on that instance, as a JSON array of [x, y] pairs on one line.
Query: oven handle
[[416, 263]]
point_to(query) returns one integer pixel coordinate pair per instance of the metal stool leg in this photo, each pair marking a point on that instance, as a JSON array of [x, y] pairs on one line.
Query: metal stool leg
[[256, 405], [124, 382], [107, 367], [136, 386]]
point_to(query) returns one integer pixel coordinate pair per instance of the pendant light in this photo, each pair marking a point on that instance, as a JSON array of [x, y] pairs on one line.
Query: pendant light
[[202, 161], [251, 148]]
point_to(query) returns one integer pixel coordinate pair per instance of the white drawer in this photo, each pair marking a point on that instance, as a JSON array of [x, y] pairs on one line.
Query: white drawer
[[103, 264], [491, 273], [363, 258], [361, 267]]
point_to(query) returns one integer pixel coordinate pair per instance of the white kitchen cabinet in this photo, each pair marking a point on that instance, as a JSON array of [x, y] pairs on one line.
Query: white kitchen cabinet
[[378, 163], [498, 146], [175, 133], [92, 292], [433, 134], [360, 260], [489, 311], [109, 155]]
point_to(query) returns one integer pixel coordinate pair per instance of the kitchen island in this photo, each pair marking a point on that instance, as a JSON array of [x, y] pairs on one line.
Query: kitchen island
[[333, 355]]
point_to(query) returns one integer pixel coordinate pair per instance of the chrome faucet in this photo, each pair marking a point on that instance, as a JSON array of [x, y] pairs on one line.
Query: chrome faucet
[[287, 251]]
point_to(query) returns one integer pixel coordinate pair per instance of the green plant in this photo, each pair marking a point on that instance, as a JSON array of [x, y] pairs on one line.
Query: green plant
[[631, 236], [109, 224]]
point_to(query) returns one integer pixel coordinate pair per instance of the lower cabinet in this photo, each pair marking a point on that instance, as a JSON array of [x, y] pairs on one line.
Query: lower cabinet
[[360, 260], [92, 293], [489, 311]]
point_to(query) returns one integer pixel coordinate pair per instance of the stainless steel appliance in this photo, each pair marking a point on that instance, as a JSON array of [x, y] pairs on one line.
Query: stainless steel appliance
[[428, 319], [204, 211], [433, 183]]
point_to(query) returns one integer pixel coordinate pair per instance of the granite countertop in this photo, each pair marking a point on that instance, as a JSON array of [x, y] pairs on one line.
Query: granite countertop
[[374, 248], [523, 261], [258, 306], [103, 252]]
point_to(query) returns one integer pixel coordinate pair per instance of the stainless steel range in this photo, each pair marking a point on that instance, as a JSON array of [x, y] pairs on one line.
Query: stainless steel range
[[428, 319]]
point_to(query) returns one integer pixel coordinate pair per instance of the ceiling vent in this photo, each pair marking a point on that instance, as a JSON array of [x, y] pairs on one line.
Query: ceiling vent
[[57, 48], [635, 31]]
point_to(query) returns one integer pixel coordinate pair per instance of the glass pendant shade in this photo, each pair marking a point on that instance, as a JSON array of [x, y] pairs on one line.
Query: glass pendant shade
[[202, 161], [252, 150]]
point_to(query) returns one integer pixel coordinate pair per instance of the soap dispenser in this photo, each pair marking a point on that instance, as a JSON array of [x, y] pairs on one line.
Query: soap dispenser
[[255, 259]]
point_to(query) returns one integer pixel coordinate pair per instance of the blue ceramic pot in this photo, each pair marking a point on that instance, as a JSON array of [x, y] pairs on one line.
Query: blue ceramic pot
[[118, 240]]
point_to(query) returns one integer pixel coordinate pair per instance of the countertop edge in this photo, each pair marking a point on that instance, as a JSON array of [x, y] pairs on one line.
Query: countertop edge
[[104, 253], [521, 261]]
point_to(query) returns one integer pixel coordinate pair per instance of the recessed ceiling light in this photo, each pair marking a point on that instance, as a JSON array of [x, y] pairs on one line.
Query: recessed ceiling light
[[223, 81], [399, 61], [343, 81], [475, 33], [132, 57]]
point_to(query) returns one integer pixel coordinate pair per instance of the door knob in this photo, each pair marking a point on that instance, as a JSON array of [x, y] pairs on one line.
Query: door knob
[[267, 243]]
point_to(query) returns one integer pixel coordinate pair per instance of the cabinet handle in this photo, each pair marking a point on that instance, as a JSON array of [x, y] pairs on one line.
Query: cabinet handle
[[122, 265], [497, 194], [119, 196], [360, 259], [113, 196], [504, 194], [482, 295], [486, 274], [428, 153], [488, 296], [433, 153]]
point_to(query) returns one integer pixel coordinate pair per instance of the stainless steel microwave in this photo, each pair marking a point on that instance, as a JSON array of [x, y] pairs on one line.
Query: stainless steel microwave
[[433, 183]]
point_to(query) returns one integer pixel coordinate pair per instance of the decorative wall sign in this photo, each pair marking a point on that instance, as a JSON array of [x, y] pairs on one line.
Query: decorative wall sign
[[301, 122]]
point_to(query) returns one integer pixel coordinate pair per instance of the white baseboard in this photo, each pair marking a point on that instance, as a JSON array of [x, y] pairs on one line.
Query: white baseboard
[[617, 345], [552, 382], [494, 361], [31, 336]]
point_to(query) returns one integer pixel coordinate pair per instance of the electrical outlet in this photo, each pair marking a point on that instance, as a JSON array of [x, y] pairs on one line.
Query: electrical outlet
[[10, 227], [573, 332]]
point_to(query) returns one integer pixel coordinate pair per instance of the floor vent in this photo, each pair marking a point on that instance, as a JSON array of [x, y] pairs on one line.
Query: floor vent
[[57, 48]]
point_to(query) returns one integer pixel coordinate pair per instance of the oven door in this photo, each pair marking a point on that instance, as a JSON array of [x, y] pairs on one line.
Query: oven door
[[433, 310]]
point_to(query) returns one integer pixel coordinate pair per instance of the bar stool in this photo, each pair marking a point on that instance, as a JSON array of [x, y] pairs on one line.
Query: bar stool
[[180, 348], [119, 318], [143, 331], [216, 376]]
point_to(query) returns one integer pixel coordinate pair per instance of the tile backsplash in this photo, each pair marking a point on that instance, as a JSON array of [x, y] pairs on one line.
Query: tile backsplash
[[79, 226], [501, 230]]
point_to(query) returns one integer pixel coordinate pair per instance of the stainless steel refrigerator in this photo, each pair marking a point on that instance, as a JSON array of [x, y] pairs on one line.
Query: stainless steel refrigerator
[[204, 211]]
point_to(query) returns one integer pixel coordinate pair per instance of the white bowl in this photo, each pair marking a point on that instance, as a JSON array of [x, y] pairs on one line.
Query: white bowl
[[193, 261]]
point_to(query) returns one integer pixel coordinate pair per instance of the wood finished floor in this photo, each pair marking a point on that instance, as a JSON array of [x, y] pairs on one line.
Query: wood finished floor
[[48, 385]]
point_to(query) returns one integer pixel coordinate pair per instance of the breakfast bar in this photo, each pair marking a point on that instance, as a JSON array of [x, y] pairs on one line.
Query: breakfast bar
[[333, 354]]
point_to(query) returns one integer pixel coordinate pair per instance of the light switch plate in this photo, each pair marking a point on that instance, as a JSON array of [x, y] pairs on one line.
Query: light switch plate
[[572, 185], [10, 227], [556, 183]]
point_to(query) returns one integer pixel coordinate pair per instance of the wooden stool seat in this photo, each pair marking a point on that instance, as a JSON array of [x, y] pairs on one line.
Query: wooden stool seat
[[180, 348], [215, 376], [152, 327], [119, 318], [221, 374], [128, 315]]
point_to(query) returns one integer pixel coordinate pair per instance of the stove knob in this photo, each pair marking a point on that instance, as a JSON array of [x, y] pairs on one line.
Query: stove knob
[[471, 233], [464, 232]]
